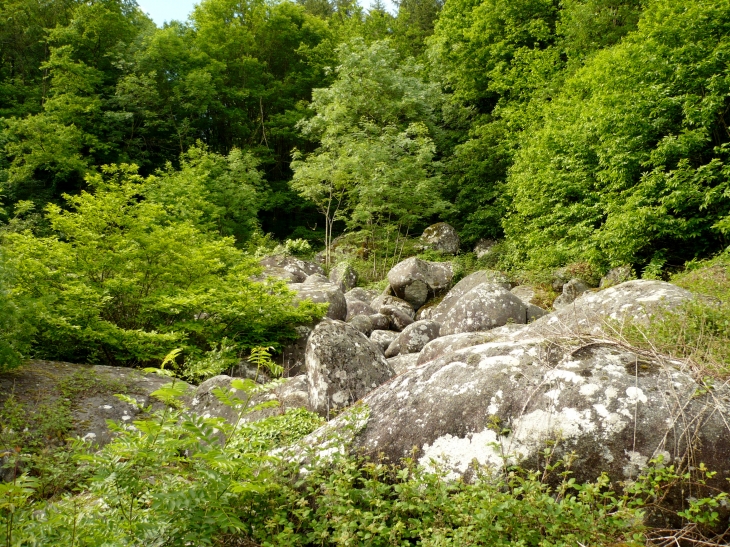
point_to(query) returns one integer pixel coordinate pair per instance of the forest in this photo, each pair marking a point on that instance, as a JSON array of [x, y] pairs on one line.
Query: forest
[[145, 171]]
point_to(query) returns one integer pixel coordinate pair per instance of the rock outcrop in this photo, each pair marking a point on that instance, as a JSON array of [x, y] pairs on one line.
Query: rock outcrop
[[343, 365], [484, 307], [464, 286]]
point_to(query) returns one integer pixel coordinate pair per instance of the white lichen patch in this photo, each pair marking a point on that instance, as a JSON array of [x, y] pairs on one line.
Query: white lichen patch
[[454, 454], [565, 375], [636, 395], [588, 390]]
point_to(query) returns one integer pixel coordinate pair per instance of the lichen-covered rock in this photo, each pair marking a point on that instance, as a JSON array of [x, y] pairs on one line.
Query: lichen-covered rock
[[416, 335], [363, 323], [571, 290], [631, 301], [383, 338], [299, 268], [403, 363], [357, 307], [397, 318], [364, 295], [290, 394], [617, 276], [342, 366], [323, 293], [279, 273], [526, 293], [484, 307], [415, 280], [380, 321], [392, 350], [386, 300], [427, 310], [441, 237], [535, 312], [612, 408], [292, 356], [484, 247], [464, 286], [448, 344], [344, 276]]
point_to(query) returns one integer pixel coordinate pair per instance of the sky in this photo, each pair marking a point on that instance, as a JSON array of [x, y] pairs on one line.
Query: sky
[[167, 10]]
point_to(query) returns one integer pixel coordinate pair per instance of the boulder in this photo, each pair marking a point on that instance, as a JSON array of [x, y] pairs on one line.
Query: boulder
[[503, 403], [415, 280], [571, 290], [617, 276], [464, 286], [483, 308], [383, 338], [397, 318], [299, 268], [526, 293], [403, 363], [380, 321], [441, 237], [344, 276], [343, 365], [279, 273], [357, 307], [42, 382], [631, 301], [385, 300], [427, 310], [484, 247], [317, 279], [448, 344], [363, 323], [416, 335], [292, 393], [323, 293], [534, 312], [392, 350], [364, 295]]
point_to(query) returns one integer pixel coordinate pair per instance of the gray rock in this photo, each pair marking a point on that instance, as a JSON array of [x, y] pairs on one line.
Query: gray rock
[[280, 273], [383, 338], [617, 276], [292, 393], [344, 276], [464, 286], [343, 365], [363, 323], [448, 344], [631, 301], [300, 268], [483, 308], [403, 363], [613, 409], [323, 293], [427, 310], [484, 247], [441, 237], [524, 292], [416, 335], [534, 312], [385, 300], [357, 307], [364, 295], [317, 279], [380, 321], [397, 318], [571, 290], [392, 350], [414, 280]]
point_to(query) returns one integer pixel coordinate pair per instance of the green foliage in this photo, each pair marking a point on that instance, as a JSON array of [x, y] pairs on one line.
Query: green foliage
[[128, 276], [628, 163]]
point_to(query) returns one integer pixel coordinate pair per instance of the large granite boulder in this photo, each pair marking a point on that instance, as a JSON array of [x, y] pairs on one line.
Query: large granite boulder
[[323, 293], [483, 247], [380, 321], [415, 280], [464, 286], [316, 279], [363, 323], [292, 393], [397, 318], [484, 307], [448, 344], [344, 276], [292, 356], [441, 237], [527, 294], [616, 276], [403, 363], [364, 295], [357, 307], [279, 273], [343, 365], [414, 337], [385, 300], [505, 402], [300, 269]]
